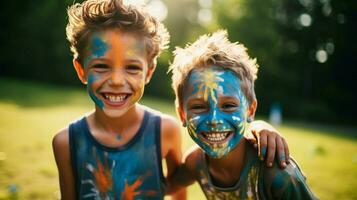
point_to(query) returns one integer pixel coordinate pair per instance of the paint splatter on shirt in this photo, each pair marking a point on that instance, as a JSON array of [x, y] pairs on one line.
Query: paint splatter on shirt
[[256, 181], [132, 171]]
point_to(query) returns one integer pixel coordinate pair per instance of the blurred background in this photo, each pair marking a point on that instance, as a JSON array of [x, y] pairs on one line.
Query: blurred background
[[306, 86]]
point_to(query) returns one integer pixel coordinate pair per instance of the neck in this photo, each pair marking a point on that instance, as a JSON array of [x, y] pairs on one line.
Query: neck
[[116, 125], [234, 160]]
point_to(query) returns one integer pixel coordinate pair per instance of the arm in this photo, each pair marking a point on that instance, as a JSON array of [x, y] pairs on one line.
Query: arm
[[286, 184], [60, 145], [171, 152], [269, 142], [185, 173]]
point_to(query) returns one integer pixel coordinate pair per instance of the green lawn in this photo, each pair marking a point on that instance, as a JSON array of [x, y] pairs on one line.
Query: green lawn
[[30, 114]]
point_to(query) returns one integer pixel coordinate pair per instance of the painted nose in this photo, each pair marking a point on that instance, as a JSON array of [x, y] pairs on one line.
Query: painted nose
[[117, 78], [213, 119]]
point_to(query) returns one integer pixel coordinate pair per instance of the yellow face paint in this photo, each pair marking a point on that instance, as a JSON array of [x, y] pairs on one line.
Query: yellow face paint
[[215, 109]]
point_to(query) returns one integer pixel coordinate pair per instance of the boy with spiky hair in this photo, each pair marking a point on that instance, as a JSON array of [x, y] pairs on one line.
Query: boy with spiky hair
[[213, 81]]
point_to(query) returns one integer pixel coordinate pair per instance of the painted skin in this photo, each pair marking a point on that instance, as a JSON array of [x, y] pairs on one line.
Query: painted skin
[[216, 110], [116, 68]]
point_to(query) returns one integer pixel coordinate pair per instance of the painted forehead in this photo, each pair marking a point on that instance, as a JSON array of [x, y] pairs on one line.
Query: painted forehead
[[213, 80], [127, 44]]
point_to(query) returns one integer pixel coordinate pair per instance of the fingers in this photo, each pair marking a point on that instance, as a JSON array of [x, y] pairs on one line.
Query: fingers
[[252, 138], [271, 150], [263, 142], [281, 152], [287, 153]]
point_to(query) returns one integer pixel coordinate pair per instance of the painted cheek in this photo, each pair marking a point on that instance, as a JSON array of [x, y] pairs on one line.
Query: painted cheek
[[138, 85], [192, 124], [92, 83]]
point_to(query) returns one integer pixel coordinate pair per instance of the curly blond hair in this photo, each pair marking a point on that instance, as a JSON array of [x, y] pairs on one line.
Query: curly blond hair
[[213, 50], [97, 15]]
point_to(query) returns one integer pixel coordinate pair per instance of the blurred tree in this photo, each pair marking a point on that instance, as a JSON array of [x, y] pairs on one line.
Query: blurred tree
[[304, 50], [317, 36], [252, 23], [34, 45]]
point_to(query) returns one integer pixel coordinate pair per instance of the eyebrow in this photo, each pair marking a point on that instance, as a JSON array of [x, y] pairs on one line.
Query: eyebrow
[[103, 59], [135, 60]]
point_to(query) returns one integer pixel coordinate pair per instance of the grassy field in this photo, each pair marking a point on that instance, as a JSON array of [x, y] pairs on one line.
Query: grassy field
[[30, 114]]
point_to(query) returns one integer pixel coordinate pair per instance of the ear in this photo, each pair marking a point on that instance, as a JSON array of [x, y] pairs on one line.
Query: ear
[[150, 72], [181, 113], [80, 71], [251, 110]]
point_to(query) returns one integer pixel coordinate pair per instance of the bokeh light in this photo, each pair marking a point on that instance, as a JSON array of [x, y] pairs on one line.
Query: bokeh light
[[204, 16], [305, 19], [321, 56]]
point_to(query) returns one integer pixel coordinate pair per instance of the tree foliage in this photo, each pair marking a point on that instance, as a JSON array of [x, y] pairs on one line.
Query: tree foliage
[[306, 49]]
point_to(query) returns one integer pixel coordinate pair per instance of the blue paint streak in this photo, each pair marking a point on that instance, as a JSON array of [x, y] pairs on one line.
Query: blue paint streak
[[99, 47], [97, 101], [118, 137], [281, 156], [264, 151]]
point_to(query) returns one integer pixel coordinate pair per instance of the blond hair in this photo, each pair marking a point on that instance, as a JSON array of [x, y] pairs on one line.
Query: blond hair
[[214, 50], [96, 15]]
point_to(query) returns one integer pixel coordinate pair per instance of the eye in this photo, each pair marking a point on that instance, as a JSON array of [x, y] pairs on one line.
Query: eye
[[100, 68], [197, 108], [229, 107], [133, 69]]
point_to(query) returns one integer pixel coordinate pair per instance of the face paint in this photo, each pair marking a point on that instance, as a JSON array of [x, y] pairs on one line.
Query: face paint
[[116, 69], [216, 110], [97, 49], [91, 80]]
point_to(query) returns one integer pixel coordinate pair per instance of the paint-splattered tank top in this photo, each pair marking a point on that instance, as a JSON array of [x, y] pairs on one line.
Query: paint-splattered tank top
[[132, 171], [256, 181]]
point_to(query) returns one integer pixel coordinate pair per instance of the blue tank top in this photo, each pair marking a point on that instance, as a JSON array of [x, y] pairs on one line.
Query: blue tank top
[[132, 171]]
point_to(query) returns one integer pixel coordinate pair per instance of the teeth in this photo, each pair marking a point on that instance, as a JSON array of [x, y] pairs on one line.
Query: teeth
[[216, 136], [115, 98]]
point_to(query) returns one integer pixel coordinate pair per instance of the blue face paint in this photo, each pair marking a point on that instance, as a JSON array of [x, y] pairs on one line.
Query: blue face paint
[[91, 79], [216, 110], [97, 49]]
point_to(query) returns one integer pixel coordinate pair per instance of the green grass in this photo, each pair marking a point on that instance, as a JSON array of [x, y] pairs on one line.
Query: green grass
[[30, 114]]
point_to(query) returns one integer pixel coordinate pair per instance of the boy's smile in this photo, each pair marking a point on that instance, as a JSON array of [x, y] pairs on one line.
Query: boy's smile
[[215, 110], [116, 70]]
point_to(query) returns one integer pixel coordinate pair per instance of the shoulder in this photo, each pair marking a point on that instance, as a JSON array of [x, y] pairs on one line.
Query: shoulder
[[169, 124], [288, 182], [170, 128], [277, 176], [61, 139], [170, 136], [60, 145]]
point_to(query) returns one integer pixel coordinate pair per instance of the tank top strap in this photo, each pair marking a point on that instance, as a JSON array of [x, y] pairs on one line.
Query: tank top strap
[[76, 134], [154, 136]]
